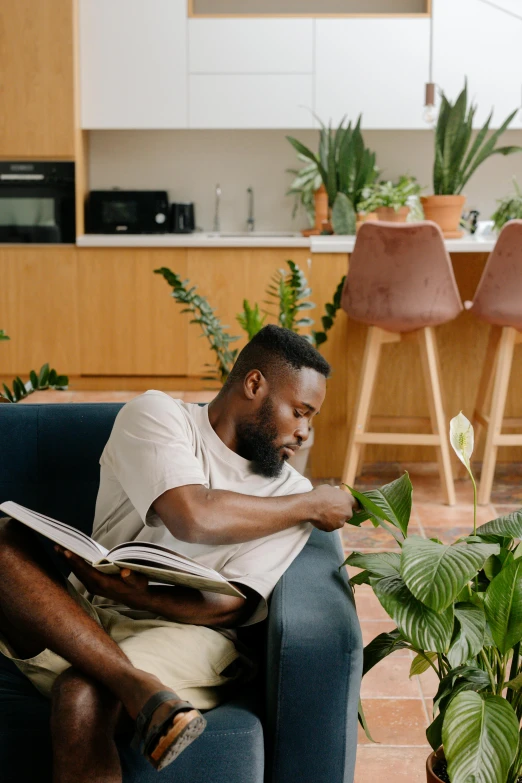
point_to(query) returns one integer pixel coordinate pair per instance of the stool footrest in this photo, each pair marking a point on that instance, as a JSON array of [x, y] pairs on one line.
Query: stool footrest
[[399, 438]]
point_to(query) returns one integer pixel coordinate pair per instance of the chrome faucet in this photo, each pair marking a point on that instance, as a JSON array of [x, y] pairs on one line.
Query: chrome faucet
[[217, 227], [250, 219]]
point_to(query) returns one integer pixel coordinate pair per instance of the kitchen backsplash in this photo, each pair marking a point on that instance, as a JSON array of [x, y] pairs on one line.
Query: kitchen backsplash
[[189, 163]]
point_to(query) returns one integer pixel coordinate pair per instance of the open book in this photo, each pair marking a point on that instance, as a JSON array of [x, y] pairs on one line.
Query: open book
[[160, 564]]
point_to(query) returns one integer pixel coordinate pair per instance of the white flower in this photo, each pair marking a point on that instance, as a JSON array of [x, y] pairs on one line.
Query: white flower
[[461, 438]]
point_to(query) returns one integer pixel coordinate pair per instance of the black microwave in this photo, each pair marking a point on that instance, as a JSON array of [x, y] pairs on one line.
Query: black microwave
[[127, 212]]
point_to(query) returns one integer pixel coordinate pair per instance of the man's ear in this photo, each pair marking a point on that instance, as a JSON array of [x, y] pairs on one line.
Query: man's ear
[[255, 384]]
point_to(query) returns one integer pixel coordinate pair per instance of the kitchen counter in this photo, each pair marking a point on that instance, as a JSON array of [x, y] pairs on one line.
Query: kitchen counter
[[317, 244]]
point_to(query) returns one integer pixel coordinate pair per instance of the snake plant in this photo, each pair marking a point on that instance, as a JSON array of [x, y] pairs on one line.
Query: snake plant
[[346, 166], [456, 156]]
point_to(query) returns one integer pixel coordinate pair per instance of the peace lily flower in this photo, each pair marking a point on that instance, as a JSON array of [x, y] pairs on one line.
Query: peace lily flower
[[462, 440]]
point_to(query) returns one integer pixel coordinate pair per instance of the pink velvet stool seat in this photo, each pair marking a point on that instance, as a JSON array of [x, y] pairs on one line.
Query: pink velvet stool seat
[[400, 283], [498, 302]]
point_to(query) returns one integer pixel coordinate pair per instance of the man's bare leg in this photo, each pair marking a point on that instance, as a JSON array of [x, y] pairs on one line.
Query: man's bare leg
[[36, 612]]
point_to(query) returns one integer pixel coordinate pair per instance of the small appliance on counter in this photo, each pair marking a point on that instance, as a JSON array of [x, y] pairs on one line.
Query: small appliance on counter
[[182, 219], [37, 202], [127, 212]]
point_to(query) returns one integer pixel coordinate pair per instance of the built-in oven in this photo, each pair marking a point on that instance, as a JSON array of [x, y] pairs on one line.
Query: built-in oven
[[37, 202]]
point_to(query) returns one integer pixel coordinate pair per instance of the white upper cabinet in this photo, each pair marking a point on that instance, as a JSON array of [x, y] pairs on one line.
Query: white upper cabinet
[[482, 42], [133, 63], [246, 46], [377, 67]]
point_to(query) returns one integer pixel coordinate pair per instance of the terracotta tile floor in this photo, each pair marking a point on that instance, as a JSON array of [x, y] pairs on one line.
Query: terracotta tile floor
[[397, 708]]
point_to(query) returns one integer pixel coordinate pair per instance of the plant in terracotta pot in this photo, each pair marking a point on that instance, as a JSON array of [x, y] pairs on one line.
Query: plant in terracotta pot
[[457, 158], [458, 607], [305, 185], [346, 166], [509, 208], [391, 200]]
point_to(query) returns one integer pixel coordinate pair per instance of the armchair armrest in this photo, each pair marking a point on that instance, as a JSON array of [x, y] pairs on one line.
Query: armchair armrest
[[314, 669]]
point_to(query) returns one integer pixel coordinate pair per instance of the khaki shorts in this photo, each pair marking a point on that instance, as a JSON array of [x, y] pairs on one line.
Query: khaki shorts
[[190, 659]]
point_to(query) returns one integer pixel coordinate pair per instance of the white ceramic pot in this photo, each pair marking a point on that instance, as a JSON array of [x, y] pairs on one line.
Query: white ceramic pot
[[300, 460]]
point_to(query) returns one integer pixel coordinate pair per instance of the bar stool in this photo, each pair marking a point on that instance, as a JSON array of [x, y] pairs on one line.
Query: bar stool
[[401, 284], [498, 301]]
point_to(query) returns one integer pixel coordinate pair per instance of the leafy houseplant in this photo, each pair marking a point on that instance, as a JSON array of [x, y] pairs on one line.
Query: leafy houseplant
[[458, 607], [457, 158], [45, 379], [346, 166], [306, 183], [509, 208], [390, 200]]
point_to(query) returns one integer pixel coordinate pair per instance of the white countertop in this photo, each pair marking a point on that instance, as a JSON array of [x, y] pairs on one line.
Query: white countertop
[[317, 244]]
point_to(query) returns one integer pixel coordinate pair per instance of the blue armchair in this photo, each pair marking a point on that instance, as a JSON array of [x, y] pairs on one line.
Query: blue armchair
[[297, 723]]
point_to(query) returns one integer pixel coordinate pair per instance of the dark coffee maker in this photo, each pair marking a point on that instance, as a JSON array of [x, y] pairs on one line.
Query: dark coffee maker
[[182, 220]]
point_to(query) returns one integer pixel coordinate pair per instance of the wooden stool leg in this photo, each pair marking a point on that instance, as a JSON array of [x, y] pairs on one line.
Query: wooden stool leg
[[439, 424], [362, 407], [498, 404]]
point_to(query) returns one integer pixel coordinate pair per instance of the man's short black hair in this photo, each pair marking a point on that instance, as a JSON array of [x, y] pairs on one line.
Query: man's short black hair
[[274, 351]]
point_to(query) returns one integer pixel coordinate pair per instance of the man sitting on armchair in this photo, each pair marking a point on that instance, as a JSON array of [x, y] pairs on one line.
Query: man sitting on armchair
[[211, 482]]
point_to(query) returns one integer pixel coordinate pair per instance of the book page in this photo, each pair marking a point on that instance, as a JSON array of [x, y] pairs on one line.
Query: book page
[[170, 577]]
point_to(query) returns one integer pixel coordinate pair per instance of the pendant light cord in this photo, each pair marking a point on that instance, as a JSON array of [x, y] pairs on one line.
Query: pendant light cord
[[502, 10]]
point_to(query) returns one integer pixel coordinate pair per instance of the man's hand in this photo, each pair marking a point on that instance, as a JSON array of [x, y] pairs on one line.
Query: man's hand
[[127, 587], [332, 507]]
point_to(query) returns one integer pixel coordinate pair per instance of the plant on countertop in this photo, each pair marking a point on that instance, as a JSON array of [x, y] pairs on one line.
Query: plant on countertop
[[307, 181], [346, 166], [3, 335], [458, 607], [456, 157], [45, 379], [390, 194], [509, 208], [288, 290]]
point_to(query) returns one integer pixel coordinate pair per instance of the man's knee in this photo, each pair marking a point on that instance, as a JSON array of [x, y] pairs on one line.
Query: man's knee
[[78, 699]]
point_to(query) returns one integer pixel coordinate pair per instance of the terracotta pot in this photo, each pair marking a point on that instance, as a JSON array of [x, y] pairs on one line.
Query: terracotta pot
[[446, 211], [392, 216], [431, 777], [362, 217], [322, 214]]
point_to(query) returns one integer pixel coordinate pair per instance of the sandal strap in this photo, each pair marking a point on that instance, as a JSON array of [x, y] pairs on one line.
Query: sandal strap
[[149, 708]]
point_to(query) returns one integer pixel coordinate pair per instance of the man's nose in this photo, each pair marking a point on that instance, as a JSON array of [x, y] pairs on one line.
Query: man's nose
[[303, 430]]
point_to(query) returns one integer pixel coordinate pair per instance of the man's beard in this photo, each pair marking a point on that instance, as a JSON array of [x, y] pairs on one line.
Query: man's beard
[[257, 442]]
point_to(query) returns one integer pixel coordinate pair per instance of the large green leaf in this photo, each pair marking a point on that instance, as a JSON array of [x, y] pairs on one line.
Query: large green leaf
[[421, 663], [379, 648], [469, 638], [503, 604], [463, 678], [391, 502], [480, 737], [377, 563], [343, 215], [509, 526], [426, 629], [436, 573]]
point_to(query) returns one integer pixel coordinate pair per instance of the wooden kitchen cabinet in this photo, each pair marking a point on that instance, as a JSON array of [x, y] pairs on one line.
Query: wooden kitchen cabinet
[[36, 79], [129, 324], [39, 310]]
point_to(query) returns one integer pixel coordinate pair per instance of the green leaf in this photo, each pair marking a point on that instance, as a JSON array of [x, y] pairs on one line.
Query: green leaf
[[391, 502], [62, 381], [21, 386], [503, 604], [379, 648], [362, 721], [436, 573], [362, 578], [377, 563], [34, 379], [426, 629], [43, 376], [343, 215], [8, 393], [434, 732], [421, 663], [516, 683], [468, 641], [480, 738], [509, 526]]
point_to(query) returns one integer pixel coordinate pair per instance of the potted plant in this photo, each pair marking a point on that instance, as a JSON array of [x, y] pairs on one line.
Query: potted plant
[[346, 166], [509, 208], [305, 189], [457, 158], [458, 607], [390, 200], [288, 291], [47, 378]]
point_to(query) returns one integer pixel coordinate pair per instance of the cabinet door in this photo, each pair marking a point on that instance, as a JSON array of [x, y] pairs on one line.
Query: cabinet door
[[129, 323], [36, 79], [250, 101], [377, 67], [248, 46], [38, 310], [480, 42], [133, 71]]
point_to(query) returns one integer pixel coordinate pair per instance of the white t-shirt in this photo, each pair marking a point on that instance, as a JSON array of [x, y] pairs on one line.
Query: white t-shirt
[[158, 443]]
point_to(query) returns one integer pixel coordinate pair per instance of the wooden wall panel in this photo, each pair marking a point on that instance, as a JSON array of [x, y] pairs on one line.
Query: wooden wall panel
[[37, 78], [38, 310], [129, 323]]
